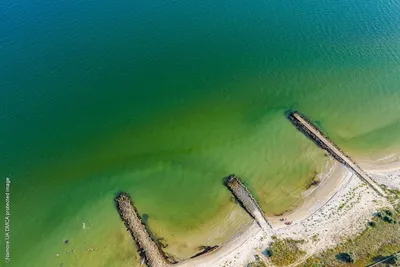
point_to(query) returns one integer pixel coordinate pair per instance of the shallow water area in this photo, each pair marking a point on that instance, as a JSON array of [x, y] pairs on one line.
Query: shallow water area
[[164, 100]]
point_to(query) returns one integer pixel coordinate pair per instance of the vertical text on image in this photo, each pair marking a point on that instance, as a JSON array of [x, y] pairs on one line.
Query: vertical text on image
[[7, 219]]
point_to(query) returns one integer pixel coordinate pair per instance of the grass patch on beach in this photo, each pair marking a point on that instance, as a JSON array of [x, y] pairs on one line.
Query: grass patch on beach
[[283, 252], [380, 239], [256, 264]]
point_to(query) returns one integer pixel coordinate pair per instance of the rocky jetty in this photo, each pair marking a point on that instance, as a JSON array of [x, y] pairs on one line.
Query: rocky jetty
[[312, 132], [247, 201], [148, 249]]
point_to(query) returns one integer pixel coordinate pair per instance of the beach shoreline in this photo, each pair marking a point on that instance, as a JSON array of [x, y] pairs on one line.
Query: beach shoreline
[[338, 207]]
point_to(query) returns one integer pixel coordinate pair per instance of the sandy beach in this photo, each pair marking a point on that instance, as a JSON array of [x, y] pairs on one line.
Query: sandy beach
[[337, 208]]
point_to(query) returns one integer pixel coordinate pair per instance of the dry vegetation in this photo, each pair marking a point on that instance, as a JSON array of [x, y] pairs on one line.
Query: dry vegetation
[[285, 251], [379, 240], [256, 264]]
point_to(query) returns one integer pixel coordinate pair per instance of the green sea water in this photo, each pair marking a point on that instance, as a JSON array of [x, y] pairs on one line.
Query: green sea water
[[163, 99]]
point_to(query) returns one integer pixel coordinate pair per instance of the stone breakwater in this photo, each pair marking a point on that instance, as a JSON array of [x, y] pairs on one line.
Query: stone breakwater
[[247, 201], [312, 132], [148, 249]]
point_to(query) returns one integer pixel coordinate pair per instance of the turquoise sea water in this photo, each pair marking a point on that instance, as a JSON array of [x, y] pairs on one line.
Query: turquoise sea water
[[163, 99]]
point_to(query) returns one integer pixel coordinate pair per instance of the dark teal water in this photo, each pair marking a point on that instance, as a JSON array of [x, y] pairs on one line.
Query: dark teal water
[[164, 99]]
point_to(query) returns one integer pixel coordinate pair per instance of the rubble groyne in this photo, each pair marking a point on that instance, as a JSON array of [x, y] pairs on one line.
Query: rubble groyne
[[247, 201], [147, 247], [311, 131]]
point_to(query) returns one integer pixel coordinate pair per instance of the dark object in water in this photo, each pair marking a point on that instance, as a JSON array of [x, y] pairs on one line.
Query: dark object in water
[[66, 241], [205, 249]]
